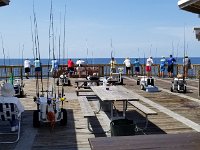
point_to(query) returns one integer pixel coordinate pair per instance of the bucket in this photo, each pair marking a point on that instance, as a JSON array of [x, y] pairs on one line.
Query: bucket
[[105, 106]]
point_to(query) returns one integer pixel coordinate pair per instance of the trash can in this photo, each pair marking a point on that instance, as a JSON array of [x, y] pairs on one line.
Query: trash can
[[105, 106], [122, 127]]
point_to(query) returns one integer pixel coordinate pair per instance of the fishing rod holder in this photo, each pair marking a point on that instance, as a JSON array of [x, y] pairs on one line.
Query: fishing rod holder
[[46, 105]]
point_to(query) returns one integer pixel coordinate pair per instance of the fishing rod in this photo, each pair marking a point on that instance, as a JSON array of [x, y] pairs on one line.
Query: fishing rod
[[32, 38], [172, 48], [144, 70], [37, 45], [150, 49], [21, 53], [111, 45], [139, 54], [4, 59], [53, 47], [184, 55], [22, 64], [64, 32], [155, 61], [59, 51], [86, 51], [35, 48], [50, 35]]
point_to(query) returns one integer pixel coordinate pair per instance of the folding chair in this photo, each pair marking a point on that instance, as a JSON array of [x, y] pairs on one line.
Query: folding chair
[[8, 112]]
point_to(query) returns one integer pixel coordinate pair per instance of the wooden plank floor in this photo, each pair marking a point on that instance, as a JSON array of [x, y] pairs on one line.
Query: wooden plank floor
[[75, 135]]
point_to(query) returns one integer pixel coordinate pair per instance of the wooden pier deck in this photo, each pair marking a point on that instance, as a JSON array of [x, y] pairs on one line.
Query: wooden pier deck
[[177, 113]]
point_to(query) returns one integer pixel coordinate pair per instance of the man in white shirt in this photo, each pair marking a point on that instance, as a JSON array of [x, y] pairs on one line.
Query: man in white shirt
[[127, 63], [27, 66], [80, 67], [7, 92], [149, 63]]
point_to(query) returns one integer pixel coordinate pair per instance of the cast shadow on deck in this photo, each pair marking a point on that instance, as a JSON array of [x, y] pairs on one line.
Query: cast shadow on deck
[[43, 138]]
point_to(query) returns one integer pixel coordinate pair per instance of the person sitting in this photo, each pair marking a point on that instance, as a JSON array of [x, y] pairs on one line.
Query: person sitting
[[27, 66], [7, 92]]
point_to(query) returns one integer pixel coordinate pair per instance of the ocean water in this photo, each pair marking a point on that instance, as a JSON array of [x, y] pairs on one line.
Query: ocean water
[[10, 62]]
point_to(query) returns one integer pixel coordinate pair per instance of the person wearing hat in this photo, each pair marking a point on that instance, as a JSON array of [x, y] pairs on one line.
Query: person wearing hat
[[37, 65], [7, 92], [127, 63], [170, 68], [137, 66], [113, 64], [162, 66], [186, 66], [149, 63]]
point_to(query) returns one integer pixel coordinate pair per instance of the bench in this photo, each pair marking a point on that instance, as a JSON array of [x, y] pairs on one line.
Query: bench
[[82, 90], [145, 110], [84, 83], [86, 109]]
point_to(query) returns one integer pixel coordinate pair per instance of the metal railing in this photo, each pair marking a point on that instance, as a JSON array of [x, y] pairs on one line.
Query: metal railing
[[101, 69]]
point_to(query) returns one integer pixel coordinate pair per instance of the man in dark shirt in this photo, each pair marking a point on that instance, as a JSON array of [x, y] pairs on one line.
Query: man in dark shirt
[[170, 68]]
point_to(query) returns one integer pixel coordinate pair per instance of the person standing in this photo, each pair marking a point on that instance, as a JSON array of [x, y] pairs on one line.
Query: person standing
[[54, 67], [149, 63], [7, 96], [137, 67], [170, 68], [70, 66], [127, 63], [186, 66], [27, 67], [162, 66], [37, 65], [113, 64], [80, 67]]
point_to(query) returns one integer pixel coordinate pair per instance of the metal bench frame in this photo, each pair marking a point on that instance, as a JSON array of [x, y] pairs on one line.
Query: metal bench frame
[[145, 110], [9, 111]]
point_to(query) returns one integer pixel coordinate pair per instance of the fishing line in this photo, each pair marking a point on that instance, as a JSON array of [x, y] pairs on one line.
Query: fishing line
[[62, 93], [32, 39]]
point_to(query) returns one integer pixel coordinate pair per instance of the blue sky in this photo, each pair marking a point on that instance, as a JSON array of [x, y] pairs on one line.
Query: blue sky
[[136, 27]]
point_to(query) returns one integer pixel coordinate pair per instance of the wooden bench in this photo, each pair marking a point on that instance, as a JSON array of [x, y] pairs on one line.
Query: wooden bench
[[82, 90], [145, 110], [86, 110], [84, 83]]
